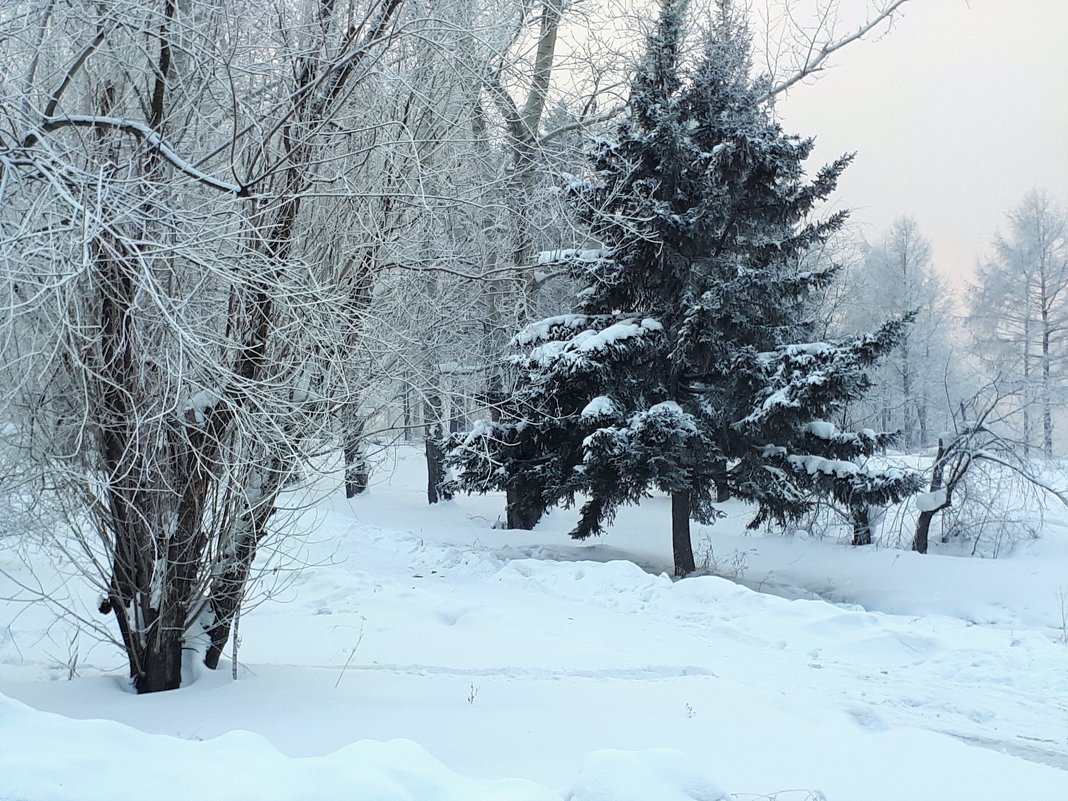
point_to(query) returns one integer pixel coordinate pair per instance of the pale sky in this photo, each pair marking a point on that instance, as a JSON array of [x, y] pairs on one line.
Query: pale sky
[[954, 114]]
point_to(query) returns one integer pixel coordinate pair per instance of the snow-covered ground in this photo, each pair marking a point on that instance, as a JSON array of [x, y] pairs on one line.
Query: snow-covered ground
[[427, 656]]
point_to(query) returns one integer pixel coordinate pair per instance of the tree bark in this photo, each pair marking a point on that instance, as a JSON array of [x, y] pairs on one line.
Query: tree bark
[[161, 667], [921, 538], [681, 545], [435, 455], [435, 468], [1047, 409], [723, 490], [357, 471], [861, 525], [520, 512], [228, 588], [906, 392], [923, 527]]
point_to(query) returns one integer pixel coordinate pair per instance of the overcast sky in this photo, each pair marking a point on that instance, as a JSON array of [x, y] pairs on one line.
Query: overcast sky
[[955, 114]]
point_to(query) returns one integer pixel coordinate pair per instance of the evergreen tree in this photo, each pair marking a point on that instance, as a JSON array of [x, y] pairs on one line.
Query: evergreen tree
[[681, 368]]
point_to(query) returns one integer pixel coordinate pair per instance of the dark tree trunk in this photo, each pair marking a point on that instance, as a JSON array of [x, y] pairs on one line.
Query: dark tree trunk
[[406, 400], [357, 471], [521, 512], [861, 525], [723, 490], [161, 666], [921, 538], [680, 533], [923, 527], [435, 470], [435, 454], [435, 467], [1047, 410], [228, 587]]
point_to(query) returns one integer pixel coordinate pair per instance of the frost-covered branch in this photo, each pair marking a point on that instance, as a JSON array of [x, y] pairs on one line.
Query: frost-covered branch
[[150, 137], [816, 57]]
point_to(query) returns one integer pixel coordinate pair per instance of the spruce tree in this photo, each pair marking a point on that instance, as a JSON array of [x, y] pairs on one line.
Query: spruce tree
[[688, 364]]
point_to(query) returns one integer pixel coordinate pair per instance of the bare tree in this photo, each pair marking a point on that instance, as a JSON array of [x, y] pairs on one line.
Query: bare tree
[[174, 346], [1019, 310], [897, 277], [972, 452], [799, 46]]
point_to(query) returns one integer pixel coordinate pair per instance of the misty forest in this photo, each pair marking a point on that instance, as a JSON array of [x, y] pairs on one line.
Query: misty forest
[[390, 387]]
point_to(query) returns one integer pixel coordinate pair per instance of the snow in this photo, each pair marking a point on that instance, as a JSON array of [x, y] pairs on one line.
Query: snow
[[151, 137], [539, 331], [583, 343], [778, 398], [665, 413], [818, 464], [426, 656], [567, 255], [199, 404], [600, 406], [822, 429], [658, 773], [123, 763], [930, 501]]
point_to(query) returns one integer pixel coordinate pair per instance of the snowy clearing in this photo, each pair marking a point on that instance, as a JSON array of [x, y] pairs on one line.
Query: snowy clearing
[[428, 656]]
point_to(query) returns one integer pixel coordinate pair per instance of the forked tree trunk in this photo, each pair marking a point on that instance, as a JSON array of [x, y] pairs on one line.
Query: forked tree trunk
[[921, 538], [681, 545]]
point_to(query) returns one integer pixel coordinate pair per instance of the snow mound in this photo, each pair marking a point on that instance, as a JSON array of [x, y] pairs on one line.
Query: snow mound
[[662, 774], [600, 406], [46, 757]]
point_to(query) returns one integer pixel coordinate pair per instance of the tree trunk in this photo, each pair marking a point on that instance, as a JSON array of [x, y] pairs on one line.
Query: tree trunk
[[161, 665], [228, 588], [921, 538], [922, 409], [406, 400], [521, 513], [723, 490], [1047, 410], [522, 124], [435, 455], [906, 393], [923, 527], [357, 471], [681, 545], [1027, 389], [435, 470], [861, 525]]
